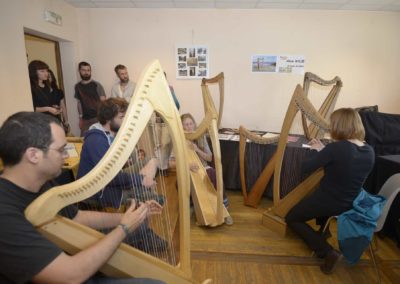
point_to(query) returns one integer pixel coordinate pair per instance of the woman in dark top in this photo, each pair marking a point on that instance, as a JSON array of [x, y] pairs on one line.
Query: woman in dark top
[[41, 91], [347, 163], [46, 95]]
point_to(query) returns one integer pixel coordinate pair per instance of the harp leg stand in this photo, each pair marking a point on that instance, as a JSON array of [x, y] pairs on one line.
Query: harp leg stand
[[274, 222]]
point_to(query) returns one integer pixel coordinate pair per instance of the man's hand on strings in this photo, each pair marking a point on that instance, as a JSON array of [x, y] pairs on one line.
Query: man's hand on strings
[[133, 216], [316, 144], [153, 207], [194, 167], [148, 181], [192, 145], [149, 172], [128, 163]]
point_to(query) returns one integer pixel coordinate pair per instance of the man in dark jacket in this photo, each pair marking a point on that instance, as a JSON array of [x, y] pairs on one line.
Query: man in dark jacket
[[124, 186]]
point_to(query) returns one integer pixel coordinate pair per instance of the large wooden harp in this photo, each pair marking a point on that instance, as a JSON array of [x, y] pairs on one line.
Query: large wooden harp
[[208, 201], [273, 218], [326, 108], [220, 80], [252, 197], [151, 95]]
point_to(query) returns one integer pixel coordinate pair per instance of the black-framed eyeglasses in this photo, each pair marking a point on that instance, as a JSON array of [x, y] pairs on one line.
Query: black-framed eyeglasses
[[63, 150]]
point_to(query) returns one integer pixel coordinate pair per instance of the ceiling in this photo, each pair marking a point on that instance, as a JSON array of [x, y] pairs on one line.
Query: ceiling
[[357, 5]]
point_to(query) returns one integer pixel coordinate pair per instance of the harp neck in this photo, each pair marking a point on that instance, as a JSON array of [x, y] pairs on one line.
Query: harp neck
[[219, 79], [299, 102], [326, 108]]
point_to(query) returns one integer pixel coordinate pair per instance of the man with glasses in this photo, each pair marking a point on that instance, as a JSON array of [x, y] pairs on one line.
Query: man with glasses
[[32, 150]]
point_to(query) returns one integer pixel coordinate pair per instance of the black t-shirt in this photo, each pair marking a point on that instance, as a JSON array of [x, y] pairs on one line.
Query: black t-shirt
[[44, 97], [24, 252], [89, 95], [346, 167]]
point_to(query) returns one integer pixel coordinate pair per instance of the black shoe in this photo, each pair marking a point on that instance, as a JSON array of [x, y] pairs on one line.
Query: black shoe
[[331, 261]]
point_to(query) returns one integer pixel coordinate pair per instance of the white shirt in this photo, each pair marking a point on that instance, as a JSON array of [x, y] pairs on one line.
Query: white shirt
[[127, 94]]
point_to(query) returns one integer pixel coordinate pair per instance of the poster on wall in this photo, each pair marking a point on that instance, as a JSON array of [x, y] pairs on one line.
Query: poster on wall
[[192, 62], [293, 64]]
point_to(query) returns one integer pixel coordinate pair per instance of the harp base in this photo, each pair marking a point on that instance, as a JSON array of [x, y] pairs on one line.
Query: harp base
[[250, 203], [274, 223]]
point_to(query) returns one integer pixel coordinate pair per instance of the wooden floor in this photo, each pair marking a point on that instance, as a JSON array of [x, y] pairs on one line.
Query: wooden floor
[[248, 252]]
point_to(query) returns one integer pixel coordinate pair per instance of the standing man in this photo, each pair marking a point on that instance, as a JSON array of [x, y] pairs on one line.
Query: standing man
[[124, 88], [32, 147], [89, 93]]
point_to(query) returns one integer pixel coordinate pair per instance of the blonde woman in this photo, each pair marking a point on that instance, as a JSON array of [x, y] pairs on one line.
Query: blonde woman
[[347, 162], [201, 147]]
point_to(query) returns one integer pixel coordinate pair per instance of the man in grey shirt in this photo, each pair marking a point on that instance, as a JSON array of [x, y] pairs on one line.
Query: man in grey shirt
[[88, 93], [124, 88]]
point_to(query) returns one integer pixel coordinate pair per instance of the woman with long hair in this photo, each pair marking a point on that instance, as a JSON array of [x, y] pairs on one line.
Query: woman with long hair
[[202, 149], [46, 95]]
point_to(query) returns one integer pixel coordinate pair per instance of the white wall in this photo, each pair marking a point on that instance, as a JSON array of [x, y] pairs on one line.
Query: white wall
[[17, 15], [363, 48]]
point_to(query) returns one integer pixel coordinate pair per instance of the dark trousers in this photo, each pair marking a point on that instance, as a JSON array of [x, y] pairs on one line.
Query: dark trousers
[[318, 205], [212, 174]]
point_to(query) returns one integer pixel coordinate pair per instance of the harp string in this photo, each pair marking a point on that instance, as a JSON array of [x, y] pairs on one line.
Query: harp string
[[201, 143], [252, 151], [292, 157], [200, 139], [257, 155], [159, 224], [163, 226]]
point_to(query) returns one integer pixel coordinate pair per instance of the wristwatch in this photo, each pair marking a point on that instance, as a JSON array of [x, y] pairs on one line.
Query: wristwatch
[[125, 228]]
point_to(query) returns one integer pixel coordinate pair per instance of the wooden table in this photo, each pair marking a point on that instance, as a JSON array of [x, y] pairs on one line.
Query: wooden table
[[257, 157], [72, 163]]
